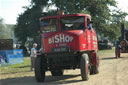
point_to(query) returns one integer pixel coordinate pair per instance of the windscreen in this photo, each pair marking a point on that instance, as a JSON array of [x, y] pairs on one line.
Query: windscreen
[[73, 23], [49, 25]]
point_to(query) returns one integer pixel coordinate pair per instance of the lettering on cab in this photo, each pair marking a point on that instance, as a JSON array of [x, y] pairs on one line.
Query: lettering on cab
[[60, 38]]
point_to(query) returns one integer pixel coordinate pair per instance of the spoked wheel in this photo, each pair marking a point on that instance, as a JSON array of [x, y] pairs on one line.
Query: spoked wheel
[[39, 69], [57, 72], [84, 67], [117, 52]]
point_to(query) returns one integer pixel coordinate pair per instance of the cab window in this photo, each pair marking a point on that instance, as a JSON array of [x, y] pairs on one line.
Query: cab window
[[49, 25], [73, 23]]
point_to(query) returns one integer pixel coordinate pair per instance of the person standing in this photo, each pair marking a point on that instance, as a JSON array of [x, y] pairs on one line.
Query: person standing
[[33, 56]]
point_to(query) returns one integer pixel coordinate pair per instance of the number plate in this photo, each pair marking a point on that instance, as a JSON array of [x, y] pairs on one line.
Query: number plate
[[62, 49]]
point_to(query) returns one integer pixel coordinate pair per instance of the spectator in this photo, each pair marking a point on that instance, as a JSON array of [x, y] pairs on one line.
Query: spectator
[[33, 56]]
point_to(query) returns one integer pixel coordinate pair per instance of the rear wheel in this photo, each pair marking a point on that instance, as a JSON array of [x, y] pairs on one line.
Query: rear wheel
[[84, 67], [95, 63], [57, 72], [95, 66], [95, 69], [39, 69], [117, 52]]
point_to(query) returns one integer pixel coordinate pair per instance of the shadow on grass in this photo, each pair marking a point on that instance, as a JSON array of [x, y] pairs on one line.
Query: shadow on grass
[[108, 58], [16, 72], [23, 66], [49, 80], [123, 57]]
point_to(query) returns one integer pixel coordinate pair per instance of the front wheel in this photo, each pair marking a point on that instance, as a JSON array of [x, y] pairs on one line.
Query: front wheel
[[39, 69], [84, 67]]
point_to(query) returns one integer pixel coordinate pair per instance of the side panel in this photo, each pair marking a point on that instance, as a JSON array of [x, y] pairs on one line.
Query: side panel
[[89, 39], [94, 40]]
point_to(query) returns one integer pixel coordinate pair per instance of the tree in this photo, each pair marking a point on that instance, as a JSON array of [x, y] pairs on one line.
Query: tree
[[28, 24], [103, 18], [117, 18], [100, 12], [98, 9]]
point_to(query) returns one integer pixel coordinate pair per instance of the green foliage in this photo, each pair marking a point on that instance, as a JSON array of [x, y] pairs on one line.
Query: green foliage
[[16, 69], [106, 21], [117, 18], [126, 24], [39, 2], [28, 24]]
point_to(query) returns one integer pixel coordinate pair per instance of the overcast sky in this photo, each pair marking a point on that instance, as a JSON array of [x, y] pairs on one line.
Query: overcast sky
[[9, 9]]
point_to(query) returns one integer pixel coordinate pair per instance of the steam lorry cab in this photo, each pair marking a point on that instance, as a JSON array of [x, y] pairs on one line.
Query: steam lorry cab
[[68, 42]]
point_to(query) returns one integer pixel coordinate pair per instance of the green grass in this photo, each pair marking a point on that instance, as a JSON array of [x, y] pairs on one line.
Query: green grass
[[106, 51], [16, 68], [23, 69]]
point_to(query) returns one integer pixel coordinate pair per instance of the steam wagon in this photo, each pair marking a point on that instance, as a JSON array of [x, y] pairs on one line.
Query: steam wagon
[[122, 43], [68, 42]]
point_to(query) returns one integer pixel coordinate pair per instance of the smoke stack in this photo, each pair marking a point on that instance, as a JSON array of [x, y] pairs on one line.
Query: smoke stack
[[122, 31]]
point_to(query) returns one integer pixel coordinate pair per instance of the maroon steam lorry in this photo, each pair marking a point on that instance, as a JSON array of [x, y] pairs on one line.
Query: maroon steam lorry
[[68, 42], [122, 43]]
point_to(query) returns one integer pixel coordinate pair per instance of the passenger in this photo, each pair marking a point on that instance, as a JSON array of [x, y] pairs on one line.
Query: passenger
[[33, 56], [88, 24]]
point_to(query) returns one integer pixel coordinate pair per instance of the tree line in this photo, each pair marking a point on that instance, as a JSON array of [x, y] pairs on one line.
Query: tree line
[[106, 20]]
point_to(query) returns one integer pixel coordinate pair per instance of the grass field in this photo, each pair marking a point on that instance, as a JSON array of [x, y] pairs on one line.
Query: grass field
[[23, 69], [104, 52], [17, 70]]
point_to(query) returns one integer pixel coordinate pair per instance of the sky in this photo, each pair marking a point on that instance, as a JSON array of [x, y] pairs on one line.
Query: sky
[[10, 9]]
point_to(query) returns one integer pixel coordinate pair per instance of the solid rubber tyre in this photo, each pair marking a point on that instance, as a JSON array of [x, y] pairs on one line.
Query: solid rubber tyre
[[95, 67], [39, 70], [84, 67]]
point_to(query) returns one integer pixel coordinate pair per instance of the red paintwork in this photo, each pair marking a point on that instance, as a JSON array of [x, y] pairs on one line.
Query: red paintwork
[[83, 40], [64, 16], [94, 58]]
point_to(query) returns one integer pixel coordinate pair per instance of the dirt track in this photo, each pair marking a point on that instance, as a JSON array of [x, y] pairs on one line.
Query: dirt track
[[112, 72]]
